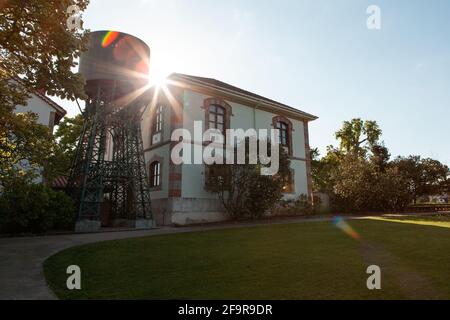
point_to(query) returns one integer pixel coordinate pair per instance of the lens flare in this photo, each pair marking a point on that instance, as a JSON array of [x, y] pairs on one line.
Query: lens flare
[[340, 223], [109, 38]]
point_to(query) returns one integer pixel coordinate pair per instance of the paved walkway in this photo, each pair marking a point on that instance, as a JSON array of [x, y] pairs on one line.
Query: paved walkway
[[21, 259]]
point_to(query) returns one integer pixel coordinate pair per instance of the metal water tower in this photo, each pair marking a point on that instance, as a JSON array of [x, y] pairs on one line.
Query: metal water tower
[[109, 166]]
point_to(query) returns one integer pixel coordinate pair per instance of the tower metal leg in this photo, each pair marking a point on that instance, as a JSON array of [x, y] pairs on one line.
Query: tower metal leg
[[124, 173]]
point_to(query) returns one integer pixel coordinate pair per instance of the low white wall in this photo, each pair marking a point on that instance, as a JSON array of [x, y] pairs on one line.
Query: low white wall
[[186, 218]]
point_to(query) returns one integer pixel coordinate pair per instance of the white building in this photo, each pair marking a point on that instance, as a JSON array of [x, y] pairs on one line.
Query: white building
[[178, 191], [49, 113]]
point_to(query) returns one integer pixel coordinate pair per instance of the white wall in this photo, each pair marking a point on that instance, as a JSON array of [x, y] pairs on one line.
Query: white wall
[[146, 124], [193, 175], [38, 106], [43, 111], [243, 117], [162, 151]]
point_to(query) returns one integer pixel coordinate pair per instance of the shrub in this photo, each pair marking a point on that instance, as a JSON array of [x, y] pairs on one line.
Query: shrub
[[361, 186], [243, 191], [62, 209], [263, 194], [299, 206], [34, 208]]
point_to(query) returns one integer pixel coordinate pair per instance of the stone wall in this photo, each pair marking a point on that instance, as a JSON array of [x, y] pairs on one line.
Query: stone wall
[[185, 211]]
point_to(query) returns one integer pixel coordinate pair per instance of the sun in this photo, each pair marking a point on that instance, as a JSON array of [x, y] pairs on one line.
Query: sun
[[158, 79], [159, 71]]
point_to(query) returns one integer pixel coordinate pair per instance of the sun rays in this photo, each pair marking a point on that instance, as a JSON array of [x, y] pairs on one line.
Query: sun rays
[[131, 60]]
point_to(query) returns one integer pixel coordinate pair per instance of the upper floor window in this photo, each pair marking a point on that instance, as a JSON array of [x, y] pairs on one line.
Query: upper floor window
[[155, 174], [283, 134], [216, 119], [217, 114], [284, 127], [158, 119]]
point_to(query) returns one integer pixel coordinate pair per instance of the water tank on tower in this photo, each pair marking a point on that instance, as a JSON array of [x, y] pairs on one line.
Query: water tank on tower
[[109, 164], [115, 60]]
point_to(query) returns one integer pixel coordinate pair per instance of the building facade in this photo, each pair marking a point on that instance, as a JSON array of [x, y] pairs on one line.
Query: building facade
[[49, 114], [179, 194]]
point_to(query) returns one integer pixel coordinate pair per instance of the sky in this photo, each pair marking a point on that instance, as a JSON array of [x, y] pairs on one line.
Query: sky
[[314, 55]]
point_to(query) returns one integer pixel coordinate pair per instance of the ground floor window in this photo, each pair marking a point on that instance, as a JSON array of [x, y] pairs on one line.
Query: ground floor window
[[215, 174], [155, 174], [289, 184]]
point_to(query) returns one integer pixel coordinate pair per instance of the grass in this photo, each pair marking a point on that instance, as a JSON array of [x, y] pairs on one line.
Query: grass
[[313, 260]]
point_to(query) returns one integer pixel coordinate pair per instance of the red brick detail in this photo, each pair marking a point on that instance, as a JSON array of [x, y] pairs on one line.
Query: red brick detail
[[277, 119], [177, 108], [176, 122], [308, 161], [175, 176], [175, 193]]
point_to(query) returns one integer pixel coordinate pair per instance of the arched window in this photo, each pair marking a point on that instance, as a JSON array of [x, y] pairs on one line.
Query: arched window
[[289, 185], [217, 174], [155, 174], [216, 115], [158, 119], [284, 127], [283, 134]]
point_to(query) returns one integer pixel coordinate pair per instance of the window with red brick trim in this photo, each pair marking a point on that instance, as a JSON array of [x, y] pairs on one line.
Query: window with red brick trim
[[217, 114], [215, 174], [158, 119], [216, 117], [283, 134], [155, 174], [289, 185], [285, 128]]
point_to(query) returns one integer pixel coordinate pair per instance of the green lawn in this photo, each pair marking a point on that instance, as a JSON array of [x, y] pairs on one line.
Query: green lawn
[[312, 260]]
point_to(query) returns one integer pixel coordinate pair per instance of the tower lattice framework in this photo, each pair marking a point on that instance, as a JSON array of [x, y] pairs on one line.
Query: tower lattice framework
[[120, 177]]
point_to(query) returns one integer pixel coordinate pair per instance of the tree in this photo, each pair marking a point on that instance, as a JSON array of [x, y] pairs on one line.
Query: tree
[[362, 186], [37, 47], [69, 132], [67, 135], [323, 169], [380, 156], [358, 136], [423, 176], [26, 147], [37, 51], [243, 191], [435, 176], [359, 175]]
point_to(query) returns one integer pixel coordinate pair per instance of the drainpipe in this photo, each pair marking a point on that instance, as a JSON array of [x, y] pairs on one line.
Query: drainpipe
[[254, 114]]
